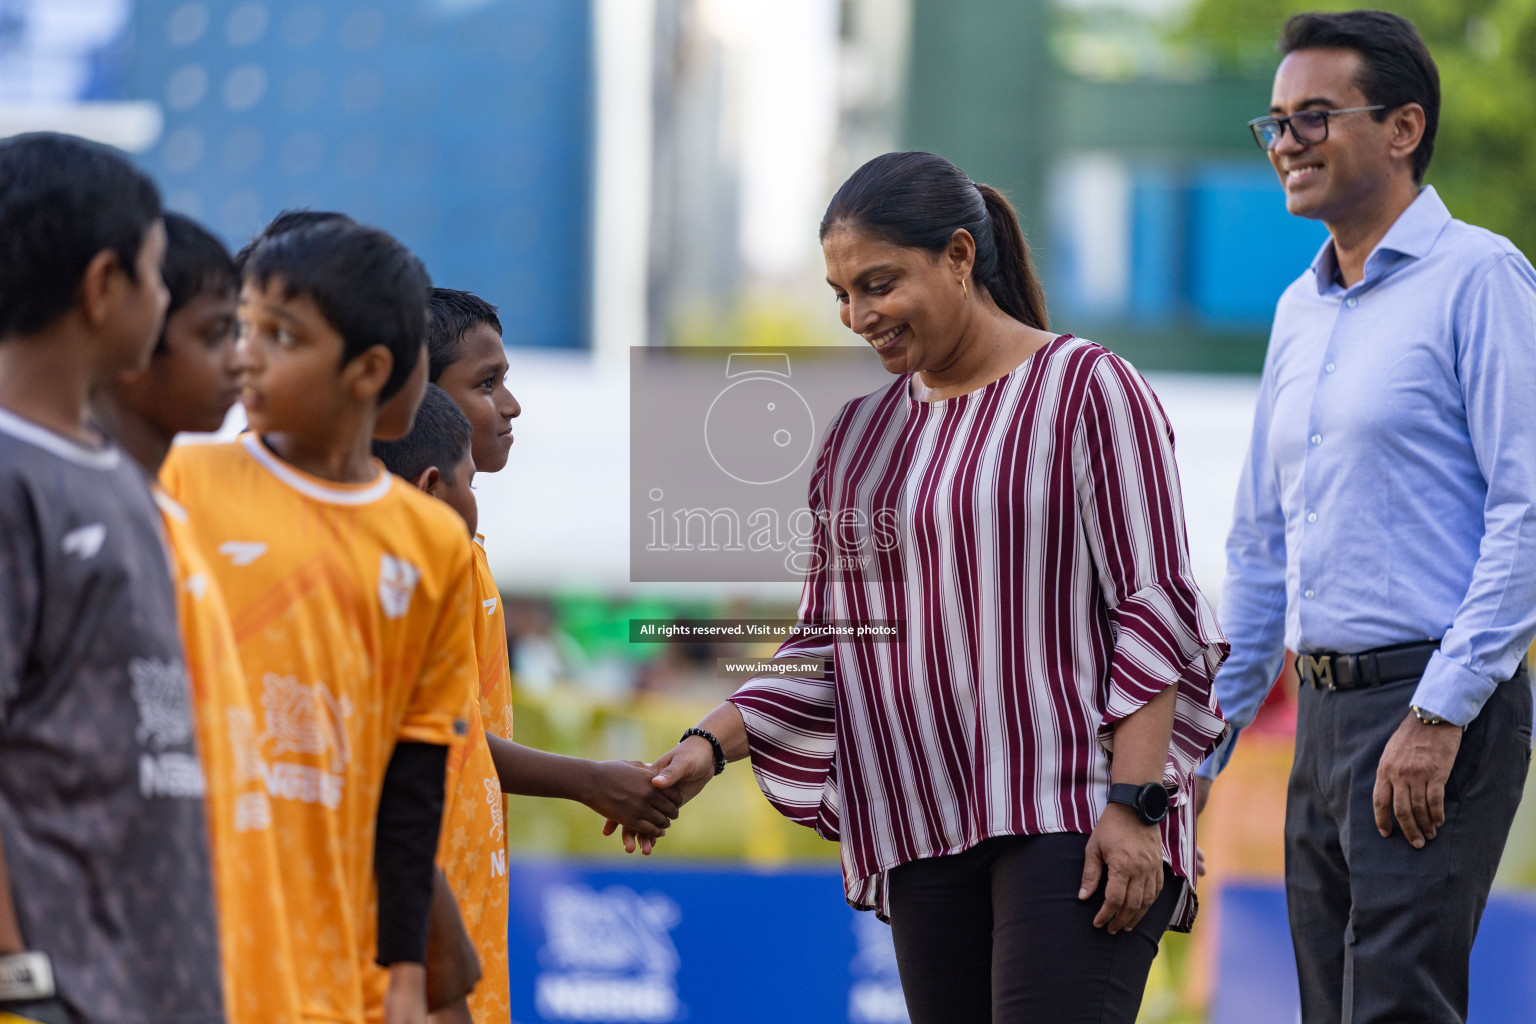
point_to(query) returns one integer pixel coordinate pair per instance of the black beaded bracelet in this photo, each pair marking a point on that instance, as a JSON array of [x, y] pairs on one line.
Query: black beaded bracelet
[[719, 751]]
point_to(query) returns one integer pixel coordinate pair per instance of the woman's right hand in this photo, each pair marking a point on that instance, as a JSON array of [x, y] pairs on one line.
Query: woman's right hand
[[686, 768], [681, 773]]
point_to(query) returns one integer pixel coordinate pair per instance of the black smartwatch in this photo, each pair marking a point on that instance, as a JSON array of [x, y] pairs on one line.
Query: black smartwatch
[[1150, 802], [707, 735]]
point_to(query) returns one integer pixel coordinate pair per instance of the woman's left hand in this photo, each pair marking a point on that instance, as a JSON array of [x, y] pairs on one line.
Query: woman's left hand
[[1132, 853]]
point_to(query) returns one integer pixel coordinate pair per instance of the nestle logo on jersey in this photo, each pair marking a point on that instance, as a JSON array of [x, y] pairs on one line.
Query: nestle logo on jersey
[[304, 719], [304, 784], [172, 774]]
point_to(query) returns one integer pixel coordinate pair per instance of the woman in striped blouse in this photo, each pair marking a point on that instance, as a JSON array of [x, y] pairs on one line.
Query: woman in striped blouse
[[1010, 778]]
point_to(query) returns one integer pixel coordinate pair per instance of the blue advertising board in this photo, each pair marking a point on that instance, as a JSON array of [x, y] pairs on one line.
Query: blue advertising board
[[464, 127], [1256, 969], [671, 944], [592, 945]]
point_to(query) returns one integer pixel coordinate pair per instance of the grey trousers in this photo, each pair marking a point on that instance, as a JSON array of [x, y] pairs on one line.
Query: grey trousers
[[1383, 932]]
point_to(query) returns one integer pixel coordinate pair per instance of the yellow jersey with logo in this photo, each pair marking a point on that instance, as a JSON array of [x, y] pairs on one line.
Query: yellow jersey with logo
[[473, 855], [351, 608], [473, 850], [491, 648], [254, 941]]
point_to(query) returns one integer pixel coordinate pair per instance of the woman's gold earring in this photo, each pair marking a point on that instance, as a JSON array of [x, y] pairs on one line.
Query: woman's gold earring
[[963, 291]]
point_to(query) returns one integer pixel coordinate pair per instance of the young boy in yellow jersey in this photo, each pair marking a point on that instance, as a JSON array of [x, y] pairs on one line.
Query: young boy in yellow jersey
[[469, 363], [397, 414], [349, 593], [189, 384], [452, 968], [435, 457]]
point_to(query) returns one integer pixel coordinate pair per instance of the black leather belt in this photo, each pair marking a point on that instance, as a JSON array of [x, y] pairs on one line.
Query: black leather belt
[[1329, 670]]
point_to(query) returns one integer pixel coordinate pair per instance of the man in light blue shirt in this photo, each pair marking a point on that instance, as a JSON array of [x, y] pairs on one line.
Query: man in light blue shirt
[[1385, 529]]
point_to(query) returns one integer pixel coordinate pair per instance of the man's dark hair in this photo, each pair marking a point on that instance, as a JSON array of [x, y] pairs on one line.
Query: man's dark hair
[[196, 263], [289, 220], [1395, 65], [440, 437], [368, 286], [452, 314], [63, 200]]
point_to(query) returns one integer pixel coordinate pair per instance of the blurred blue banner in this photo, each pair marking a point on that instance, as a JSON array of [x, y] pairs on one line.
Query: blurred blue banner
[[702, 945], [1256, 971], [464, 127]]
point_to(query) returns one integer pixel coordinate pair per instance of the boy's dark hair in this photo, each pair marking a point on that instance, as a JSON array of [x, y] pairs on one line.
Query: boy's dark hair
[[196, 263], [62, 201], [440, 437], [1395, 65], [368, 286], [289, 220], [452, 313]]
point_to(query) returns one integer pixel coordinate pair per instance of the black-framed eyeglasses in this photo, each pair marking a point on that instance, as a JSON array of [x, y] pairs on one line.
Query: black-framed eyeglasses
[[1308, 127]]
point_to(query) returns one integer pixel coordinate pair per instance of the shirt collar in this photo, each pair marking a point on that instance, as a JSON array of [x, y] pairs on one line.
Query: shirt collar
[[1412, 235]]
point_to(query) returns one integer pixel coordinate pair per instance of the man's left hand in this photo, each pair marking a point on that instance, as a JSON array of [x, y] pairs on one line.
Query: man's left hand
[[1410, 781]]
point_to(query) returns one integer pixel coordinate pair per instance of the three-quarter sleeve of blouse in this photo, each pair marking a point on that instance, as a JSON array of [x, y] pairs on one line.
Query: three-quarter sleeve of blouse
[[1165, 632], [790, 720]]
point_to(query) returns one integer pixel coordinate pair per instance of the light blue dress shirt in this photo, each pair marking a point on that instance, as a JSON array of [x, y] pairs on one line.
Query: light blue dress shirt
[[1389, 494]]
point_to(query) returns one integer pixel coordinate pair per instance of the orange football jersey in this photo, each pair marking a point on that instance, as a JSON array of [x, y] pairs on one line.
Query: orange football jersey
[[256, 949], [473, 855], [351, 607], [472, 850], [474, 847], [491, 648]]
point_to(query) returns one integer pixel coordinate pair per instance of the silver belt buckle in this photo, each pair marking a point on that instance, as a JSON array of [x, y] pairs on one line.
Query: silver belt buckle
[[1320, 669]]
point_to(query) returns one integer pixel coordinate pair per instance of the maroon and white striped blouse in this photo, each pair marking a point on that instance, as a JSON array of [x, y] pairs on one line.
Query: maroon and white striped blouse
[[1030, 535]]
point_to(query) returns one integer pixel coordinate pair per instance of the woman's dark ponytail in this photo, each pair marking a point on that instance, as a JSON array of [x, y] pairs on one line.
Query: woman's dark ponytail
[[1013, 284], [918, 200]]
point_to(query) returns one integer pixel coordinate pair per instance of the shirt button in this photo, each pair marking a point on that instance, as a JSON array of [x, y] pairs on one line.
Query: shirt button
[[1351, 302], [1311, 517], [1316, 438], [1330, 368], [1309, 594]]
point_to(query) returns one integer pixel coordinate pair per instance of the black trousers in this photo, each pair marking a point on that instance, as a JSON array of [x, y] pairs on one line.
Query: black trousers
[[997, 935], [1383, 932]]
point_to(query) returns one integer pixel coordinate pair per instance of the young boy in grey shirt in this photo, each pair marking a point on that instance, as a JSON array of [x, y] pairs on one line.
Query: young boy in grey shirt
[[106, 901]]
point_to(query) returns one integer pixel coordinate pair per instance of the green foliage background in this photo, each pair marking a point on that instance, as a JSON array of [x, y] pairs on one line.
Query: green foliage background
[[1484, 164]]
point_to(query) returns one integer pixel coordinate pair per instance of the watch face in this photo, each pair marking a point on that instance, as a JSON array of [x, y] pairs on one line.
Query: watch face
[[1154, 802]]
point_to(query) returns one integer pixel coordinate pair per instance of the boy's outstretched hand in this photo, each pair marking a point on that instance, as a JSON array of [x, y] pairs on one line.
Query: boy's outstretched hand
[[623, 792], [681, 772], [620, 791]]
